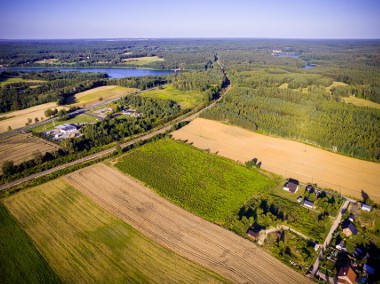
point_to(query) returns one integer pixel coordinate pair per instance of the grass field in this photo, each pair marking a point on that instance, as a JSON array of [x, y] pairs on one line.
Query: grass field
[[20, 261], [48, 61], [140, 61], [8, 81], [84, 243], [284, 86], [186, 99], [335, 84], [360, 102], [82, 118], [20, 117], [95, 95], [208, 185], [20, 147]]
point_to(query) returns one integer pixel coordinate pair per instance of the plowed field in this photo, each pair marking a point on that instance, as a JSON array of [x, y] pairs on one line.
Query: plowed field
[[190, 236]]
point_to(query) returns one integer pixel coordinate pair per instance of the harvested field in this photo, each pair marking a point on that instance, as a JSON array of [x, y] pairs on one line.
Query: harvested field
[[95, 95], [140, 61], [192, 237], [84, 243], [20, 147], [287, 158], [20, 117]]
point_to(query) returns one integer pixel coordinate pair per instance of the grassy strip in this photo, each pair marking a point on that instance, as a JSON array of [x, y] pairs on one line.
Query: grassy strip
[[208, 185], [20, 261]]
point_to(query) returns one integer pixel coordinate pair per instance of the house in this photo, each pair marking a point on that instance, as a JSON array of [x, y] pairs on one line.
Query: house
[[291, 185], [254, 234], [346, 275], [369, 269], [66, 128], [340, 246], [351, 218], [308, 204], [299, 199], [309, 188], [349, 229], [316, 246], [366, 207]]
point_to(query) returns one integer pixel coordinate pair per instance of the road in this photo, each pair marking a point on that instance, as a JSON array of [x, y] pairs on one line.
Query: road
[[186, 117], [329, 236]]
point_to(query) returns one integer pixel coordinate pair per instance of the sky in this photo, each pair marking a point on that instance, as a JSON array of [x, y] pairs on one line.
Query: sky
[[71, 19]]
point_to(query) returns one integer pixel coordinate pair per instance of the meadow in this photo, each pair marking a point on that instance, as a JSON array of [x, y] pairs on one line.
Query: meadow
[[20, 261], [186, 99], [140, 61], [84, 243], [207, 185], [360, 102], [9, 81]]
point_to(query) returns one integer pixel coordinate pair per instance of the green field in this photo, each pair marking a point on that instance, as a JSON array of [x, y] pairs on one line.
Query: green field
[[140, 61], [84, 243], [360, 102], [186, 99], [20, 261], [8, 81], [82, 118], [208, 185]]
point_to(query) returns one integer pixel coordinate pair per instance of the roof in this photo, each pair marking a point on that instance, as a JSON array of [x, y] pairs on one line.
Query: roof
[[309, 188], [292, 184], [66, 127], [365, 206], [347, 224], [254, 233], [369, 269], [308, 203], [348, 272]]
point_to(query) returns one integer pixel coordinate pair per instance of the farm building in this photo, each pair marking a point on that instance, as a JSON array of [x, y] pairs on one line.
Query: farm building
[[308, 204], [63, 131], [291, 185], [369, 269], [254, 234], [366, 207], [346, 275], [349, 229], [316, 246], [309, 188], [66, 128], [299, 199], [351, 217]]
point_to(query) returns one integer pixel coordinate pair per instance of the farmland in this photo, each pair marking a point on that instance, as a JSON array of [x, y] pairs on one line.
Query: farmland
[[9, 81], [84, 243], [190, 236], [20, 147], [360, 102], [286, 158], [80, 119], [186, 99], [24, 262], [19, 118], [93, 96], [208, 185], [140, 61]]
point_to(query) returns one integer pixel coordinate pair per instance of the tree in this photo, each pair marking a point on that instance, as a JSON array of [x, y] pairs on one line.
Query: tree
[[37, 157], [118, 148], [36, 120], [54, 111], [9, 128], [8, 168], [62, 113], [29, 120], [48, 112]]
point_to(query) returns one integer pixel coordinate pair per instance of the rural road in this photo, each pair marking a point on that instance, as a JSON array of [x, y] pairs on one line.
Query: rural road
[[110, 150], [329, 236]]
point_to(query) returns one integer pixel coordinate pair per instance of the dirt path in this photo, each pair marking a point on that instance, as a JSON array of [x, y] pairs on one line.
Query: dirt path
[[346, 175], [190, 236]]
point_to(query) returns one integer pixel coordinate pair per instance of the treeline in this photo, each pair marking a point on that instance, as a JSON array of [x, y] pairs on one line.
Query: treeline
[[58, 87], [141, 83], [312, 117], [199, 81]]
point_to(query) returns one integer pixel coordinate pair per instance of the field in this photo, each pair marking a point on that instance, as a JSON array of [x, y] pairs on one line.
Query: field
[[360, 102], [208, 185], [186, 99], [346, 175], [47, 61], [8, 81], [140, 61], [192, 237], [93, 96], [24, 264], [20, 147], [17, 119], [82, 118], [84, 243]]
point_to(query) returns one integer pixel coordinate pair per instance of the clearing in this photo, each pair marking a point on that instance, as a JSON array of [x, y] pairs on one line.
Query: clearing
[[346, 175], [360, 102], [208, 185], [186, 99], [139, 61], [20, 147], [335, 84], [84, 243], [93, 96], [8, 81], [17, 119], [24, 264], [188, 235]]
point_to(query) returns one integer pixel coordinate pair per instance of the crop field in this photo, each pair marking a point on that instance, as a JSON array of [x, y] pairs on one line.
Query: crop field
[[84, 243], [208, 185], [48, 61], [186, 99], [17, 119], [186, 234], [8, 81], [20, 147], [24, 264], [346, 175], [93, 96], [140, 61], [360, 102], [82, 118]]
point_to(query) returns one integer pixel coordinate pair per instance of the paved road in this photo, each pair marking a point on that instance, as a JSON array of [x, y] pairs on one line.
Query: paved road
[[329, 236]]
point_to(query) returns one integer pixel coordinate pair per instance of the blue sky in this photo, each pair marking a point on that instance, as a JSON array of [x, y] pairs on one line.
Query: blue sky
[[51, 19]]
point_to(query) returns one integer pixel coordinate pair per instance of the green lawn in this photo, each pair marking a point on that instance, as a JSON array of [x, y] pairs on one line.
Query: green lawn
[[82, 118], [186, 99], [20, 261], [208, 185]]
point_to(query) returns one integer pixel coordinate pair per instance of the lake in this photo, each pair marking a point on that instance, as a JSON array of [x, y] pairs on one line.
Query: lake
[[112, 72]]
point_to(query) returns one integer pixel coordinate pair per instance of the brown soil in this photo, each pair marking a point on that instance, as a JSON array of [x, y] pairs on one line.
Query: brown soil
[[192, 237], [309, 164]]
